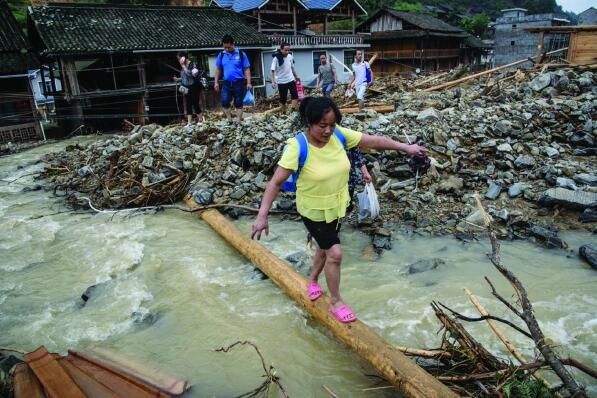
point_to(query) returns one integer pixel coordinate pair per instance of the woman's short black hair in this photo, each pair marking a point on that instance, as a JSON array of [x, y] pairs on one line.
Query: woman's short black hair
[[182, 54], [313, 109], [227, 39]]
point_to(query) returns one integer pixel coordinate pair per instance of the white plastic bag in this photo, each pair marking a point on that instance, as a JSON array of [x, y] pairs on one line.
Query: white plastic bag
[[368, 203]]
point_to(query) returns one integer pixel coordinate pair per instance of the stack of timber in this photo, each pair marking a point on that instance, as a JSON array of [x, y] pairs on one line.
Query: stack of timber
[[77, 375]]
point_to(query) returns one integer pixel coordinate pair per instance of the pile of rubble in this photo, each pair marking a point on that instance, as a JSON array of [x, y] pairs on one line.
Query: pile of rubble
[[526, 146]]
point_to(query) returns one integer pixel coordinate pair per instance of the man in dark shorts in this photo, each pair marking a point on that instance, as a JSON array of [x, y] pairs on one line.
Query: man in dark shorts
[[284, 76], [233, 66]]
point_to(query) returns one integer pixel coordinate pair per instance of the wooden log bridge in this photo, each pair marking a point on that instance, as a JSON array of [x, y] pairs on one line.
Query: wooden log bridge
[[393, 365]]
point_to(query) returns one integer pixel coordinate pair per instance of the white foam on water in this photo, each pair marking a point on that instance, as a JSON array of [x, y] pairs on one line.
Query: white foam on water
[[107, 315]]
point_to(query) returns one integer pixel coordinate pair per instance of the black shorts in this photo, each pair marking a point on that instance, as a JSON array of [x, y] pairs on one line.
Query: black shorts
[[284, 88], [325, 234]]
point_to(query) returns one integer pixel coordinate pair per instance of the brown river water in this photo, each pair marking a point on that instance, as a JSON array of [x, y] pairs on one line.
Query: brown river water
[[171, 291]]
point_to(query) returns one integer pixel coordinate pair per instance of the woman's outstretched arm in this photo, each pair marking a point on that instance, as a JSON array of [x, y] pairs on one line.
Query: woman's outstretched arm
[[271, 191], [379, 142]]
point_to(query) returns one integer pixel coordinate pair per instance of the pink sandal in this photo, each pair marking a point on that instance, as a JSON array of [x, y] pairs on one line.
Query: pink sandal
[[314, 291], [344, 314]]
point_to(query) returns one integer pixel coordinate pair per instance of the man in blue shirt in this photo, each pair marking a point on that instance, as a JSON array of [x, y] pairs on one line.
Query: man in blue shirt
[[233, 66]]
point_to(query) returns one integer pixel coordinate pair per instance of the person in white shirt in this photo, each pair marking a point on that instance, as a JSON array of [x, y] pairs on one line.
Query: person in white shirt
[[359, 78], [283, 76]]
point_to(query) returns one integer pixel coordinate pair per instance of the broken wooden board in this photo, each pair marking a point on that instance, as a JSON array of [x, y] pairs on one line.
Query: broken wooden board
[[54, 379], [26, 384]]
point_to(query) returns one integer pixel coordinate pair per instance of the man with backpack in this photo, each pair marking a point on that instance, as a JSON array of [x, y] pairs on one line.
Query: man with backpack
[[283, 76], [362, 77], [190, 88], [233, 66]]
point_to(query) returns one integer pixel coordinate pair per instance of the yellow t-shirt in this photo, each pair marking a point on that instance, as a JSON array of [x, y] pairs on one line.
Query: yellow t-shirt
[[322, 186]]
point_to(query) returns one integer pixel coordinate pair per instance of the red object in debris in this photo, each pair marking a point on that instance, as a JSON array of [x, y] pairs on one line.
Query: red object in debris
[[300, 90]]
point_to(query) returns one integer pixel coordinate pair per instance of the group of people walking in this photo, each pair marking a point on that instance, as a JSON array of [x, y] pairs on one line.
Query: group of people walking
[[233, 79], [326, 178]]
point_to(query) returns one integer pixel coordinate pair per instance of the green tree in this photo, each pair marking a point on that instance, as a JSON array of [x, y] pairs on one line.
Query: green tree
[[401, 5], [476, 25]]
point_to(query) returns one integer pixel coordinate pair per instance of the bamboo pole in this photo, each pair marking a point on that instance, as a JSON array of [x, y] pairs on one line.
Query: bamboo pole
[[498, 332], [393, 365], [464, 79]]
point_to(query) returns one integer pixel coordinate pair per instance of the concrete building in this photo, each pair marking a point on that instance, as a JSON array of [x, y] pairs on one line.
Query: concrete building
[[306, 26], [513, 43], [588, 17]]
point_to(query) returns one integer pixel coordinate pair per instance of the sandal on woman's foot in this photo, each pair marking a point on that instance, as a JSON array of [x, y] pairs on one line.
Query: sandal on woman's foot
[[344, 314], [314, 291]]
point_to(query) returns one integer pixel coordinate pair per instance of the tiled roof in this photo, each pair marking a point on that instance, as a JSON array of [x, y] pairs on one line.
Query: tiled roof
[[11, 38], [86, 28], [409, 34], [14, 55], [419, 20]]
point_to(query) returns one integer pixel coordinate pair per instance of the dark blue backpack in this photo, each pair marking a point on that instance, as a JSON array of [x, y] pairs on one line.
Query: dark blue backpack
[[290, 184]]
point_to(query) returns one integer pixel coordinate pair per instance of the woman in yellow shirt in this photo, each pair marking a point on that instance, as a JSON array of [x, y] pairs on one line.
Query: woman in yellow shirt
[[322, 190]]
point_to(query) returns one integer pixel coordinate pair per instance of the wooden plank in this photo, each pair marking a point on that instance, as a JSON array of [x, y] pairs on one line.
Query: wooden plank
[[90, 387], [119, 381], [26, 384], [378, 109], [487, 72], [393, 365], [143, 372], [52, 376], [539, 49]]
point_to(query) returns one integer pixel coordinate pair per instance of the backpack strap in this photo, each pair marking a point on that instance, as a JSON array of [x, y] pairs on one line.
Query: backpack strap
[[340, 137], [303, 150]]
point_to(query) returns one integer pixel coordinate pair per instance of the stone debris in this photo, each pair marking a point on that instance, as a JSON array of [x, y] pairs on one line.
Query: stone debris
[[525, 146]]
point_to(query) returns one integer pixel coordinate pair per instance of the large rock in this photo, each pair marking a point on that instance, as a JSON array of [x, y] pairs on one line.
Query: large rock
[[575, 200], [424, 265], [493, 191], [547, 236], [451, 184], [524, 161], [589, 215], [429, 114], [589, 253], [517, 189], [588, 179], [540, 82]]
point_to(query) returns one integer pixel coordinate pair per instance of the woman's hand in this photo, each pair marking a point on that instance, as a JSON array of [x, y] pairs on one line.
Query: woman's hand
[[259, 226], [366, 176], [415, 149]]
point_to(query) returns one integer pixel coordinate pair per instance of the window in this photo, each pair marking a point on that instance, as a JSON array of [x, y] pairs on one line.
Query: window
[[316, 55], [349, 57], [514, 26], [48, 87], [512, 43]]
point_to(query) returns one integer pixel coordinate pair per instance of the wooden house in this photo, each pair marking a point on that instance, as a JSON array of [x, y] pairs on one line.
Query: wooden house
[[406, 41], [305, 25], [19, 120], [579, 42], [117, 62]]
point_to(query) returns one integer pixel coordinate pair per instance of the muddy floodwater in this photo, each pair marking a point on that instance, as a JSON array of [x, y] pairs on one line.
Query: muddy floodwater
[[169, 291]]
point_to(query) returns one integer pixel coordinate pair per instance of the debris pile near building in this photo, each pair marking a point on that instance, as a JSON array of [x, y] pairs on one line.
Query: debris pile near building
[[523, 140]]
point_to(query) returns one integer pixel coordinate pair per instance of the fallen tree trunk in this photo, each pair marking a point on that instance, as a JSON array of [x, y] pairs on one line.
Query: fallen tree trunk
[[393, 365]]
